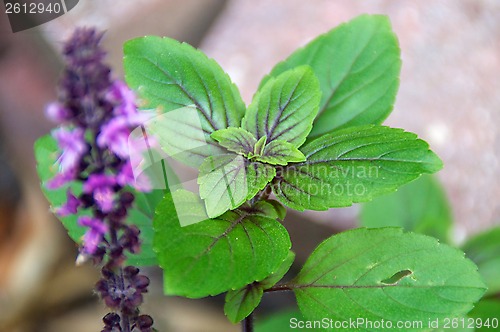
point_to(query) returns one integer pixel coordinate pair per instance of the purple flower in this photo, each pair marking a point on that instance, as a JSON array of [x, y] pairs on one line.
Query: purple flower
[[71, 206], [61, 179], [57, 112], [101, 186], [120, 94], [94, 234], [73, 146], [114, 135], [126, 178]]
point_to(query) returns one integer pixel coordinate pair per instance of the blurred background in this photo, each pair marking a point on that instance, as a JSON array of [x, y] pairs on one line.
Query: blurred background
[[449, 95]]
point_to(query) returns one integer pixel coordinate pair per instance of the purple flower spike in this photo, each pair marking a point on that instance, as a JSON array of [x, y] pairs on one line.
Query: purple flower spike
[[96, 117], [95, 233], [73, 146]]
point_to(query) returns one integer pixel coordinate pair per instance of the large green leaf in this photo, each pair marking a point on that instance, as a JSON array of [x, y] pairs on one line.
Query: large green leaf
[[216, 255], [484, 250], [353, 165], [141, 214], [227, 181], [386, 274], [358, 65], [285, 107], [169, 75], [420, 206]]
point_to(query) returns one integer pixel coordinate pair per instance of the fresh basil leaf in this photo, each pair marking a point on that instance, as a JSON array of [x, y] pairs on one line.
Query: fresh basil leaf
[[277, 275], [236, 140], [242, 302], [386, 274], [353, 165], [216, 255], [168, 75], [358, 65], [228, 180], [280, 153], [269, 208], [284, 108], [259, 146]]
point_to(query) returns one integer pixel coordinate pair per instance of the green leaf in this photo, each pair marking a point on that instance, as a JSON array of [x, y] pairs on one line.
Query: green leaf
[[268, 208], [241, 302], [277, 275], [485, 316], [358, 65], [420, 206], [259, 146], [216, 255], [46, 154], [222, 182], [141, 213], [353, 165], [386, 274], [236, 140], [280, 153], [284, 108], [168, 75], [484, 250], [228, 180]]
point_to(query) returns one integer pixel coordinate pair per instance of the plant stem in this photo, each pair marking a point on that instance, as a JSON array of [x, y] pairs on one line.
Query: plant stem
[[125, 319], [279, 288], [120, 282], [247, 324]]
